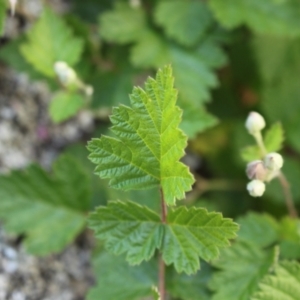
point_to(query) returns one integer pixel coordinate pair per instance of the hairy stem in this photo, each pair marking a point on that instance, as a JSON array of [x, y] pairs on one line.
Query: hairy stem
[[161, 263], [287, 195]]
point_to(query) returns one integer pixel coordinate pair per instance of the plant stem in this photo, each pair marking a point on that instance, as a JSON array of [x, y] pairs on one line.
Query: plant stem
[[287, 195], [282, 179], [161, 263]]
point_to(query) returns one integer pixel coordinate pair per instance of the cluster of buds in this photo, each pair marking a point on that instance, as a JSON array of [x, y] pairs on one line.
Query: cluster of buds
[[261, 171]]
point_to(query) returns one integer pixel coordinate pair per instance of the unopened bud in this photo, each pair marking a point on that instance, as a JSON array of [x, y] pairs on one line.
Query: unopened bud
[[65, 74], [256, 170], [256, 188], [273, 161], [255, 122]]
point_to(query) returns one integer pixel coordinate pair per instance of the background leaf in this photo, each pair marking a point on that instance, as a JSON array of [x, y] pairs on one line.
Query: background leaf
[[283, 285], [49, 41], [45, 206]]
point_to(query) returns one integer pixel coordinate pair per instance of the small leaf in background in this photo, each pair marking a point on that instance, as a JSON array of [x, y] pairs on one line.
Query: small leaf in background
[[184, 21], [3, 8], [258, 229], [242, 268], [149, 143], [117, 280], [194, 232], [251, 153], [290, 238], [137, 231], [46, 207], [189, 287], [274, 138], [65, 105], [283, 285], [49, 41], [285, 20], [122, 25], [127, 227]]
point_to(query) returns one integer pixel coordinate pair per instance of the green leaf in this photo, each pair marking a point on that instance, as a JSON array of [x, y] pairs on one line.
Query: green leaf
[[194, 232], [251, 153], [195, 120], [274, 138], [290, 238], [283, 285], [242, 267], [185, 21], [137, 231], [65, 105], [149, 144], [123, 25], [45, 206], [189, 287], [258, 229], [285, 20], [3, 8], [116, 280], [50, 40], [128, 227]]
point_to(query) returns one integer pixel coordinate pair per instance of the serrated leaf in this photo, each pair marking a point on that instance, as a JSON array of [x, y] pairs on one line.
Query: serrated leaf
[[242, 267], [283, 285], [116, 280], [274, 138], [123, 25], [137, 231], [149, 144], [127, 227], [46, 207], [258, 229], [50, 40], [194, 232], [185, 21], [3, 8], [65, 105], [189, 287], [251, 153], [285, 20]]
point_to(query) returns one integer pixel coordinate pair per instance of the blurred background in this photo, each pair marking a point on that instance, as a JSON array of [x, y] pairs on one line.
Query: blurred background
[[228, 58]]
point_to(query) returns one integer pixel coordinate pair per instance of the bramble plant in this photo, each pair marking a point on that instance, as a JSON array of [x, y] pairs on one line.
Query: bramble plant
[[163, 192]]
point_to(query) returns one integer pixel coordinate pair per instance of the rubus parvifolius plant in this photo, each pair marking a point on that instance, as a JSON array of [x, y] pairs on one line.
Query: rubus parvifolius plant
[[145, 153]]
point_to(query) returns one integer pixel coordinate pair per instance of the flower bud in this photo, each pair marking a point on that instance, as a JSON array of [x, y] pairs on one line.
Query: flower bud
[[65, 74], [273, 161], [256, 188], [256, 170], [255, 122]]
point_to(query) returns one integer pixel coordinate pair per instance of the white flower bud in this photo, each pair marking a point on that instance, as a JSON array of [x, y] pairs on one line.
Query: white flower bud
[[255, 122], [256, 188], [256, 170], [13, 4], [273, 161], [65, 74]]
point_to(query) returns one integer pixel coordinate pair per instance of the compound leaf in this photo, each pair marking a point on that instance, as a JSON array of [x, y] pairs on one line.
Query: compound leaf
[[50, 40], [283, 285], [116, 280], [185, 21], [123, 25], [137, 231], [285, 20], [45, 206], [149, 144], [65, 105], [242, 267]]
